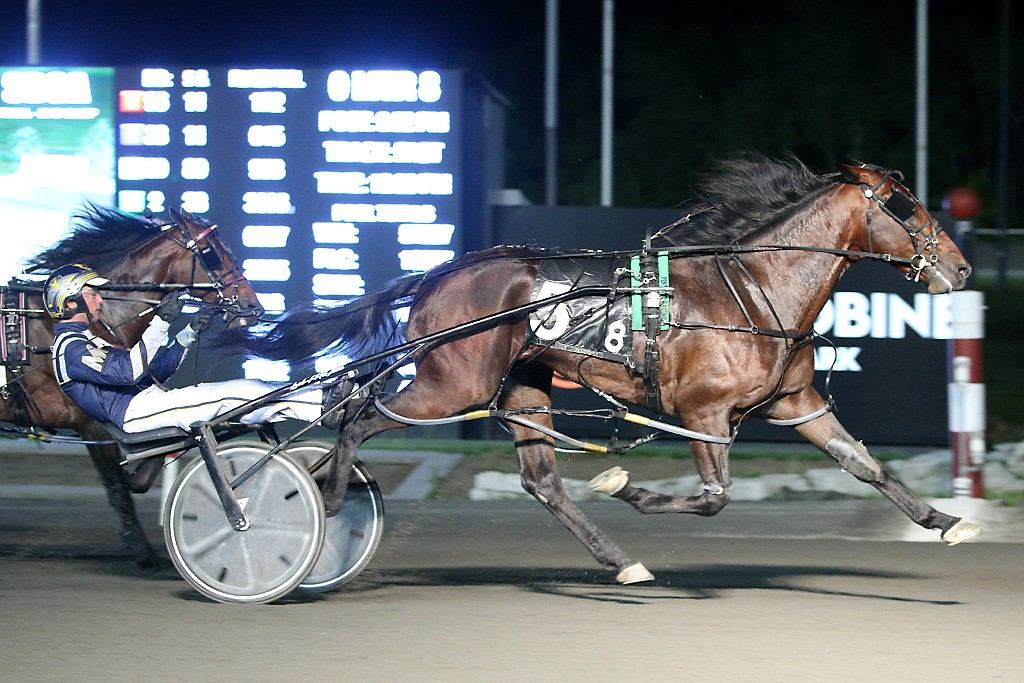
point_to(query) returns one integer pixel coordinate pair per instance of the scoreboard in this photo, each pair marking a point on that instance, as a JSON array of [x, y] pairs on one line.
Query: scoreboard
[[327, 182], [332, 181]]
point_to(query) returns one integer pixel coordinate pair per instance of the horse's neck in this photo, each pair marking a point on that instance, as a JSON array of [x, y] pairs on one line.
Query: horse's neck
[[123, 315], [799, 283]]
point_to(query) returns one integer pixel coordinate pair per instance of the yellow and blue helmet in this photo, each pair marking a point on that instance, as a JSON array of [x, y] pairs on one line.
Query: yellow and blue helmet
[[65, 284]]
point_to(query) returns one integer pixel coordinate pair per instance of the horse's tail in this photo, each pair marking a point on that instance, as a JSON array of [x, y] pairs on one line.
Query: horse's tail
[[361, 327]]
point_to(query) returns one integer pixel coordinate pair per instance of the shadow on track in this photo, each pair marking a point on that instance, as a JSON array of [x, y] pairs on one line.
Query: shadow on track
[[694, 583]]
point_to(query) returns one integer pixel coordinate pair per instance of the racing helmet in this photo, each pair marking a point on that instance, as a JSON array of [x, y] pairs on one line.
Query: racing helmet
[[65, 284]]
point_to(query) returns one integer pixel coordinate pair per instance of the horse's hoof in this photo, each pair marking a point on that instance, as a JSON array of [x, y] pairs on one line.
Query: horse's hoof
[[634, 573], [960, 532], [610, 481]]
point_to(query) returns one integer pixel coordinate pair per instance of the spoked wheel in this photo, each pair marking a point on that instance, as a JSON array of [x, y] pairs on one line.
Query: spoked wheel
[[266, 561], [354, 533]]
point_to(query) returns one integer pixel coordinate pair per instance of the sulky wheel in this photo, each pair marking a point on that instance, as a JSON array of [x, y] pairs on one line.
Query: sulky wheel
[[354, 533], [266, 561]]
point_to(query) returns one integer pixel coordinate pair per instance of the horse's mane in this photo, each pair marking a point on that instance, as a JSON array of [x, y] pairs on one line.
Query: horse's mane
[[99, 238], [746, 195]]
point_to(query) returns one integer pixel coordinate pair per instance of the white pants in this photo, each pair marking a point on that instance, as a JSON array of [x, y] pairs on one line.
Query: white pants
[[154, 408]]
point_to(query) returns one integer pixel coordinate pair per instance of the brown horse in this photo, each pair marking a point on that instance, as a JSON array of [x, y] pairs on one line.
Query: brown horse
[[126, 250], [752, 265]]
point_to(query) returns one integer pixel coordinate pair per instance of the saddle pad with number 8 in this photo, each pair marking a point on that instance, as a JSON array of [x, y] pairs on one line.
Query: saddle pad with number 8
[[589, 325]]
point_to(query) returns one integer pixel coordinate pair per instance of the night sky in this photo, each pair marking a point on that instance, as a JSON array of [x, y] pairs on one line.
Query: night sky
[[715, 76]]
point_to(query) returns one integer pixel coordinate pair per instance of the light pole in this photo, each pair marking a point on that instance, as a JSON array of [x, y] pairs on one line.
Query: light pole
[[33, 28]]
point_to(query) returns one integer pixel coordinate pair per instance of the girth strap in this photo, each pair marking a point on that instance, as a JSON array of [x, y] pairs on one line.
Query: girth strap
[[652, 305]]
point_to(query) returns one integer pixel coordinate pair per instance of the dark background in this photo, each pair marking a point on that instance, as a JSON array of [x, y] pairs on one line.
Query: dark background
[[824, 80]]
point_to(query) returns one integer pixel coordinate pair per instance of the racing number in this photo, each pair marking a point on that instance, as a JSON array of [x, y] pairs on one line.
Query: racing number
[[551, 322], [616, 336]]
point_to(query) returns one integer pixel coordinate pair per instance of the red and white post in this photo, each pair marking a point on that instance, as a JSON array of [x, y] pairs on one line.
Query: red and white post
[[967, 394]]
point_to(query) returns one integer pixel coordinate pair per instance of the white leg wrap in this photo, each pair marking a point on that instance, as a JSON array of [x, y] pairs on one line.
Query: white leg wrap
[[960, 532], [610, 481], [634, 573]]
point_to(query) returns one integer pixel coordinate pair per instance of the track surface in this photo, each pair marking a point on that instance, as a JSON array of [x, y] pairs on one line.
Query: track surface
[[499, 591]]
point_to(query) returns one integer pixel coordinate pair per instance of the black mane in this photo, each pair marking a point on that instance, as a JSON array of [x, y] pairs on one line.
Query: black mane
[[746, 195], [100, 237]]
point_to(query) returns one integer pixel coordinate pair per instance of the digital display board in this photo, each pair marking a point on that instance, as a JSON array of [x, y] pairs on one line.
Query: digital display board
[[335, 181], [56, 152], [327, 183]]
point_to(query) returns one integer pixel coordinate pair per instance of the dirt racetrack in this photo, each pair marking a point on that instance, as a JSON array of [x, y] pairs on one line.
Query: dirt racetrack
[[499, 591]]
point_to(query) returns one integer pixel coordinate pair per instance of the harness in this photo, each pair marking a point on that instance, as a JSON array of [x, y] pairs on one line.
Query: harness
[[15, 351]]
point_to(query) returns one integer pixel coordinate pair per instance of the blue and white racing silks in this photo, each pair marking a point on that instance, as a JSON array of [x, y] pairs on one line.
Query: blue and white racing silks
[[101, 378]]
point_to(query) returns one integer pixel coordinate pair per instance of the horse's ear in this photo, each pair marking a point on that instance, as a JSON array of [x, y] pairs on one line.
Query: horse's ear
[[855, 172], [175, 216]]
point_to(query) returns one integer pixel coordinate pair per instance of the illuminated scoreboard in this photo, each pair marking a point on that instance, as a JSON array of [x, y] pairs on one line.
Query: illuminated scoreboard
[[327, 182]]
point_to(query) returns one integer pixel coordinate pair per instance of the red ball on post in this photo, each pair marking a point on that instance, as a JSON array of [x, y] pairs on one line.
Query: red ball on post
[[963, 203]]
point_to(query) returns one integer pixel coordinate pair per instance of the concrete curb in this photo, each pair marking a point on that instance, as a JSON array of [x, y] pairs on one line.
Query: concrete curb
[[429, 467]]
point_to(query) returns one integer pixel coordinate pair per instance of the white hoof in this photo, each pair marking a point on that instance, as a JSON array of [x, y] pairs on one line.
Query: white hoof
[[610, 481], [634, 573], [960, 532]]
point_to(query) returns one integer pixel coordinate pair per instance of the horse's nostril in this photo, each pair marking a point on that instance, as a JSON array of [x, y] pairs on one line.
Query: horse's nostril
[[963, 272]]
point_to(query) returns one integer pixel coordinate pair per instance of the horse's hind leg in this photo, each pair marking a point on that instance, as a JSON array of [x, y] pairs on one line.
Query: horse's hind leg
[[429, 396], [540, 477], [830, 436], [368, 423], [712, 461], [105, 459]]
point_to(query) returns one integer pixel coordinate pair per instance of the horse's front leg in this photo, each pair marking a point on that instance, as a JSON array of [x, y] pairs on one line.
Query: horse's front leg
[[106, 458], [712, 461], [540, 478], [830, 436]]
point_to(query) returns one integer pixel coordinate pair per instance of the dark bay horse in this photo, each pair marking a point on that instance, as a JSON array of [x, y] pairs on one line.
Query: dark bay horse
[[739, 342], [126, 250]]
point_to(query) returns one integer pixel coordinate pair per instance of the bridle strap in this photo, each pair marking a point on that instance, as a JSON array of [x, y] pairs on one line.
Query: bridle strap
[[220, 280]]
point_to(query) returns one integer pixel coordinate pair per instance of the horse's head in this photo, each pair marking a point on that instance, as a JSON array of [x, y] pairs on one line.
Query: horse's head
[[896, 223], [211, 264]]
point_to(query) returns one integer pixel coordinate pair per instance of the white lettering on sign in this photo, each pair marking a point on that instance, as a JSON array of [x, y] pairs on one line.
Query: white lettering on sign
[[416, 260], [439, 234], [143, 168], [194, 101], [267, 136], [194, 135], [195, 168], [195, 201], [384, 85], [148, 134], [379, 152], [267, 202], [844, 357], [195, 78], [265, 78], [325, 232], [267, 169], [335, 259], [326, 284], [268, 102], [885, 316], [357, 182], [156, 78], [45, 87], [878, 315], [265, 236], [364, 121], [384, 213]]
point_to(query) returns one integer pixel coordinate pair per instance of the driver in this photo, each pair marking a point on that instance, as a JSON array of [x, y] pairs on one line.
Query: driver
[[122, 386]]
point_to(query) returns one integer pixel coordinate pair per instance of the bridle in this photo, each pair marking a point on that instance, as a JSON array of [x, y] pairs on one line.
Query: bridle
[[901, 206], [207, 256]]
